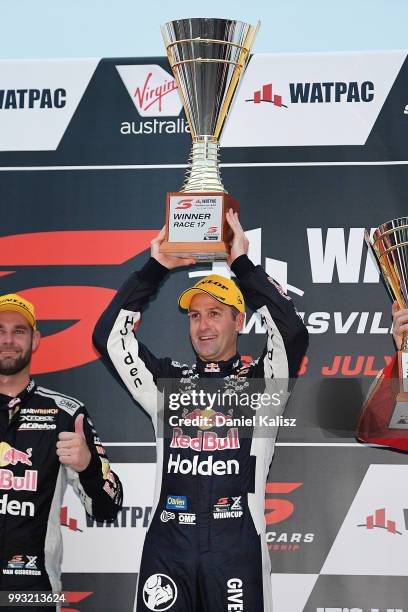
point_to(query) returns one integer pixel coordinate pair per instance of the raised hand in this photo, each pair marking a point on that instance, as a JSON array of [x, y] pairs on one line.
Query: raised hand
[[400, 323], [72, 448], [167, 260], [240, 243]]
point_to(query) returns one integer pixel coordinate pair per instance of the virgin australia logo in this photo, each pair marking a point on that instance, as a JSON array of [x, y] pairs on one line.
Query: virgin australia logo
[[152, 90]]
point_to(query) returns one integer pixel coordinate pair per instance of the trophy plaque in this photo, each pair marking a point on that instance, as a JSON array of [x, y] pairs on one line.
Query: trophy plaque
[[208, 57], [384, 418]]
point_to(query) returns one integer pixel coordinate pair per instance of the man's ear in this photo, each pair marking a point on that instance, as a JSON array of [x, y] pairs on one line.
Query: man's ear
[[240, 321], [36, 340]]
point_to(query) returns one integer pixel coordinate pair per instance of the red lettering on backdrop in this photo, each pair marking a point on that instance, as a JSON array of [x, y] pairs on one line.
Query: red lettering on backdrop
[[74, 248], [281, 508], [73, 346]]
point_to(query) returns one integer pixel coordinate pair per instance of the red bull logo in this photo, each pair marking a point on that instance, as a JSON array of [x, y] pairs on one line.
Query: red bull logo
[[207, 441], [12, 456], [28, 482]]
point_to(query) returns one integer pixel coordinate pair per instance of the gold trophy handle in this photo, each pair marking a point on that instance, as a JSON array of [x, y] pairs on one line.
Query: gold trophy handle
[[404, 343]]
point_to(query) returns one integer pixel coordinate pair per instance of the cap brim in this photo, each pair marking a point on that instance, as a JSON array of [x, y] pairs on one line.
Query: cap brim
[[187, 295]]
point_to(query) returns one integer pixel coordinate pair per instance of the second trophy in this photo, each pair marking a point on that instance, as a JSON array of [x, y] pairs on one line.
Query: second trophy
[[208, 57], [384, 418]]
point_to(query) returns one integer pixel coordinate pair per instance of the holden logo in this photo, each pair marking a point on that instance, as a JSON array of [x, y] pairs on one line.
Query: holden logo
[[159, 592], [152, 89]]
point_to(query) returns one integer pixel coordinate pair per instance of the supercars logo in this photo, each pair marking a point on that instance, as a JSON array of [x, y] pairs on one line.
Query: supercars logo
[[279, 509], [184, 204], [80, 305]]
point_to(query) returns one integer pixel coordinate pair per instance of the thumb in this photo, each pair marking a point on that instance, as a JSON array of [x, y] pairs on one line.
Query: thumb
[[79, 425], [395, 307]]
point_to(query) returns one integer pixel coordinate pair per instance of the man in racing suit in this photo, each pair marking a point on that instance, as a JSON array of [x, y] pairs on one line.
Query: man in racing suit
[[46, 440], [205, 550]]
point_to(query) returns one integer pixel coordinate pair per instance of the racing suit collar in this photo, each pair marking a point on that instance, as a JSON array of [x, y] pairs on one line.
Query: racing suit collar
[[218, 368], [7, 402]]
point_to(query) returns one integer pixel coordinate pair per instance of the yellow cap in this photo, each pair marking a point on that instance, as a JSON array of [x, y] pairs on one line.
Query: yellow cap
[[14, 302], [222, 289]]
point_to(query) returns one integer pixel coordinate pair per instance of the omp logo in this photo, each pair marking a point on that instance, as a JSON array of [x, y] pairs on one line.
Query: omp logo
[[266, 94], [32, 98], [80, 305], [184, 204], [152, 89]]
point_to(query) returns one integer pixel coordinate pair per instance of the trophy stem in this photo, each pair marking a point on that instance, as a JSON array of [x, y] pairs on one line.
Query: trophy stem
[[404, 344], [203, 173]]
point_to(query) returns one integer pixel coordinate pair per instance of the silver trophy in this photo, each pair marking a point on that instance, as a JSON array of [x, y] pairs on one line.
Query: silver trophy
[[384, 418], [389, 246], [208, 57]]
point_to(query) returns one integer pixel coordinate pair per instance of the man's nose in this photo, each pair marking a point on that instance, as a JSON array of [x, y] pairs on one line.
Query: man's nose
[[6, 338], [203, 323]]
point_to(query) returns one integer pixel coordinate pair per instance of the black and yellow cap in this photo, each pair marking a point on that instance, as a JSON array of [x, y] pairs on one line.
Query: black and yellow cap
[[15, 302], [222, 289]]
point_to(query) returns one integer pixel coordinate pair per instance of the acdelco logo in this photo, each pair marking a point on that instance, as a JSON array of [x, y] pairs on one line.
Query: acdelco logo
[[71, 347]]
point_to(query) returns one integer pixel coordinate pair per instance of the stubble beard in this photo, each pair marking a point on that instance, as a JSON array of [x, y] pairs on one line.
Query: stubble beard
[[15, 365]]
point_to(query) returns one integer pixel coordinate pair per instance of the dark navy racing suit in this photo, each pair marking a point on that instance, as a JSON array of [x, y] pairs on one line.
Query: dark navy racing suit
[[205, 549], [33, 482]]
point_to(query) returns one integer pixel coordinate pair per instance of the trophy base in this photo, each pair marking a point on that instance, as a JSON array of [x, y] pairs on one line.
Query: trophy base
[[384, 418], [196, 225], [198, 250]]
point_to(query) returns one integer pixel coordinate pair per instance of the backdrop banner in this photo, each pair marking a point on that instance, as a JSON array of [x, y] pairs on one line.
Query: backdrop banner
[[315, 151]]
